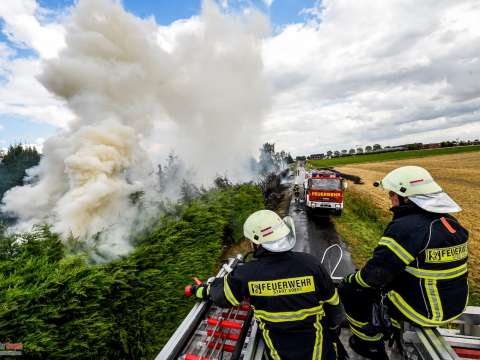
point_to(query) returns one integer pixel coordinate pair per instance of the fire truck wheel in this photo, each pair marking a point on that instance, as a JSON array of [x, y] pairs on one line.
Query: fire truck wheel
[[338, 212]]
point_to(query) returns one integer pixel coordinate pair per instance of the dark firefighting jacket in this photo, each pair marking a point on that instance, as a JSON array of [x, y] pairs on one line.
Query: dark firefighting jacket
[[421, 263], [294, 302]]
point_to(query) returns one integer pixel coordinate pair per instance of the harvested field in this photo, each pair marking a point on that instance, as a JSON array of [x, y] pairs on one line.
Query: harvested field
[[390, 156], [459, 176]]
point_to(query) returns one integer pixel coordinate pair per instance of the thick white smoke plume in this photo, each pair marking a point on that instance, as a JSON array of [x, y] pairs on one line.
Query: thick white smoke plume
[[221, 97], [122, 79]]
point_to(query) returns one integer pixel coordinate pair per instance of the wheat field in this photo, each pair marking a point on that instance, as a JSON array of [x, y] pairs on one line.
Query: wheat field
[[458, 175]]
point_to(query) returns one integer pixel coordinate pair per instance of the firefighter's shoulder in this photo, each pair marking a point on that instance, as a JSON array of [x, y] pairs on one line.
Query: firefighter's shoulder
[[409, 232], [308, 258], [307, 261], [408, 225], [456, 225], [244, 271]]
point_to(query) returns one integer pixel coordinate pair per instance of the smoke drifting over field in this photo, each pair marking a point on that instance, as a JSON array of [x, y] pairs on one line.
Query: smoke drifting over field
[[120, 83]]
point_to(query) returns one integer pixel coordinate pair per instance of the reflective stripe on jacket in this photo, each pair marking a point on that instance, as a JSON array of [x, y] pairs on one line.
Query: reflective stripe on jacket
[[421, 261], [291, 293]]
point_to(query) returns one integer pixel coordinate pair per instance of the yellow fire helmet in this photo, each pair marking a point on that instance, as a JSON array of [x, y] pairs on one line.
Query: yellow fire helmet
[[266, 228], [418, 185]]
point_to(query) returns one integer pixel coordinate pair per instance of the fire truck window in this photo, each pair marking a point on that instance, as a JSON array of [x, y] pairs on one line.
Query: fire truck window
[[325, 184]]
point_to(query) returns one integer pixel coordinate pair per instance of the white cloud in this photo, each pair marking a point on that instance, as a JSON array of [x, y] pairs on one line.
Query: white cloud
[[224, 4], [23, 27], [20, 92], [268, 2], [395, 71], [354, 73]]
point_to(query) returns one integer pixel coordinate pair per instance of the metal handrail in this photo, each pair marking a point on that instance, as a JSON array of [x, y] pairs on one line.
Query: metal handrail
[[428, 343], [181, 336]]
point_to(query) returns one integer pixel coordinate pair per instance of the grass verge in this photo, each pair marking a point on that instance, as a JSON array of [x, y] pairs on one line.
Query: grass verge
[[394, 155], [361, 226]]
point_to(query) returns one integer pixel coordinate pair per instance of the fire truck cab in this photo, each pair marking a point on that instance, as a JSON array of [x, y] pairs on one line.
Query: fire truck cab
[[324, 189]]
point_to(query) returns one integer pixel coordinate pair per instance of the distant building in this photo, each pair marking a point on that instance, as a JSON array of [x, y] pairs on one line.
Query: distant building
[[432, 146], [395, 148], [414, 146], [316, 156]]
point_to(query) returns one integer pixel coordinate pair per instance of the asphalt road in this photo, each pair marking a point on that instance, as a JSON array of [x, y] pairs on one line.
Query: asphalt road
[[316, 233]]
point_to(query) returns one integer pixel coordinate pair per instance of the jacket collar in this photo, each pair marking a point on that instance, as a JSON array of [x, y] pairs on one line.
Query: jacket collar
[[262, 252], [406, 209]]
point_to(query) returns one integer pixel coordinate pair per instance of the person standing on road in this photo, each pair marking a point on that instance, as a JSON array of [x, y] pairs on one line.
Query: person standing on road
[[293, 298], [296, 193], [418, 270]]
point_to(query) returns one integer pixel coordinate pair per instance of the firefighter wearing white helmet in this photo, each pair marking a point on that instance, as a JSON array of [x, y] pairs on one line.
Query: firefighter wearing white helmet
[[266, 228], [293, 298], [416, 183], [418, 269]]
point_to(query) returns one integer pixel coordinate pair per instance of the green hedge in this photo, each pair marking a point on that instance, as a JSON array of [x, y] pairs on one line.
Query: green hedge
[[61, 307]]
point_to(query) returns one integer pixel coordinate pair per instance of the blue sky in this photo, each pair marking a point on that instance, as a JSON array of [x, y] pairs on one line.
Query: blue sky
[[15, 128], [20, 51], [370, 71], [22, 130], [281, 12]]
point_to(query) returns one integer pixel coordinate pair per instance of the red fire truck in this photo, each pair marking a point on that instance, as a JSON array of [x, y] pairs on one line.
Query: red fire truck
[[324, 189]]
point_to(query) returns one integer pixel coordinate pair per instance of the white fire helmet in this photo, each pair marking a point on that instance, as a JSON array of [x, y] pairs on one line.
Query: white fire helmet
[[418, 185], [266, 228]]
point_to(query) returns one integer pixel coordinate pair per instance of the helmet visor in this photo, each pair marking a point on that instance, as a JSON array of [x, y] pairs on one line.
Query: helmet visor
[[287, 242], [438, 202]]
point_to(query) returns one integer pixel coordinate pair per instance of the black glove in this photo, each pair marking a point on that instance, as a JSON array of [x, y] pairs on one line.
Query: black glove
[[200, 291], [347, 281]]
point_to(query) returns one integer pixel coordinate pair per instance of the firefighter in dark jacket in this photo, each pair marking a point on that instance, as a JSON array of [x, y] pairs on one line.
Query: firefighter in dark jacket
[[419, 267], [294, 301]]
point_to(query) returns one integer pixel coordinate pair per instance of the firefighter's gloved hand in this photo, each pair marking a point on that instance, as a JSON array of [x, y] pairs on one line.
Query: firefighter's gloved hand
[[349, 287], [200, 291], [347, 281], [352, 280]]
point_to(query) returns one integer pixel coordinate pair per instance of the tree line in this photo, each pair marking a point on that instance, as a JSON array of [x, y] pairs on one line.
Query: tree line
[[378, 148], [14, 164]]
